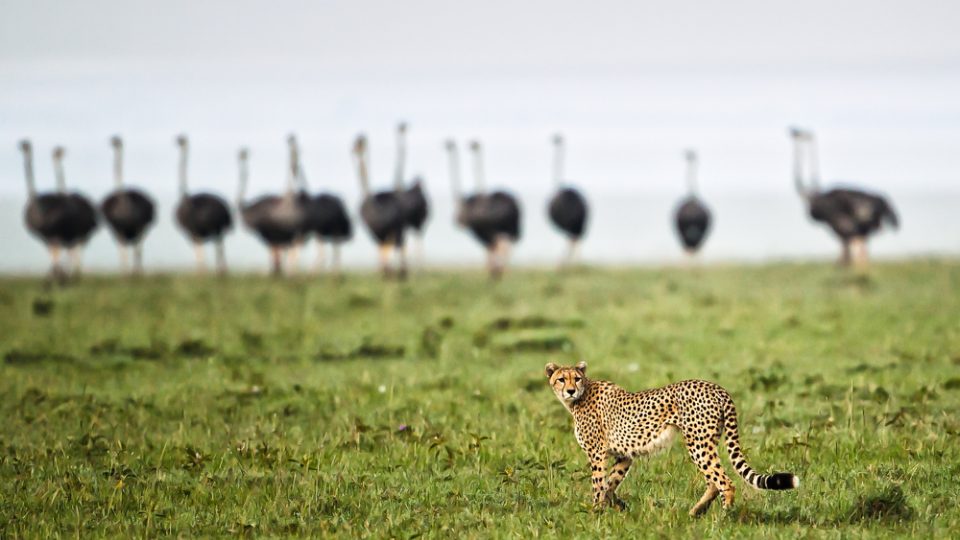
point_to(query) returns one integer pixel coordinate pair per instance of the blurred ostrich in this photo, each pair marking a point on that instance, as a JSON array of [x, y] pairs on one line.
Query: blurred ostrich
[[128, 211], [852, 214], [202, 216], [276, 219], [325, 216], [413, 199], [60, 220], [382, 213], [83, 220], [567, 208], [493, 218], [692, 217]]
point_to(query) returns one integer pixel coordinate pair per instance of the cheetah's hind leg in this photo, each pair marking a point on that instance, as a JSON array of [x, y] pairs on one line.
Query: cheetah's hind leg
[[703, 451]]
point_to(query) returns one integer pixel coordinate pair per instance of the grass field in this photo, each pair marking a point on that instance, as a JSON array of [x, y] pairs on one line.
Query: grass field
[[248, 406]]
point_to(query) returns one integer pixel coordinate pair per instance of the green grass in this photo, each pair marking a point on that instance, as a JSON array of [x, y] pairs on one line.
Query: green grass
[[189, 406]]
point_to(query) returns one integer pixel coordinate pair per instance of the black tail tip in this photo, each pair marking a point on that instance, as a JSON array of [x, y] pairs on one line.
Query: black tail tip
[[782, 481]]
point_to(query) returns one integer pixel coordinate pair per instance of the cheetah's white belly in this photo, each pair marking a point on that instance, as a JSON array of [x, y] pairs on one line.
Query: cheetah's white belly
[[660, 442]]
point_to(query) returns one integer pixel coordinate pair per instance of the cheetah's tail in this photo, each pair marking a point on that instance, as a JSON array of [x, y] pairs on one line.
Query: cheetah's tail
[[759, 481]]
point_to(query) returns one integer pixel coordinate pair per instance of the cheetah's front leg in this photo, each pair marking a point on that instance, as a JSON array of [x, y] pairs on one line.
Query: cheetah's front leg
[[617, 474], [598, 467]]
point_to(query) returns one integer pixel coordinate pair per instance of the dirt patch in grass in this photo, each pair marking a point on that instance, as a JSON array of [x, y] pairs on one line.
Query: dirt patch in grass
[[368, 348]]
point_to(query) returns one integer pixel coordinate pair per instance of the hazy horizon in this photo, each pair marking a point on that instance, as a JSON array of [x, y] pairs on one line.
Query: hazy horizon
[[631, 85]]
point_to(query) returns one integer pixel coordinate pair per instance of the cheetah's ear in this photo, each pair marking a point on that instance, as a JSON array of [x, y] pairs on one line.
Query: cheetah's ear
[[550, 368], [582, 366]]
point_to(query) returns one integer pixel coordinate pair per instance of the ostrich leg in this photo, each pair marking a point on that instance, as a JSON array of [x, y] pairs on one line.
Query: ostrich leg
[[56, 272], [293, 257], [845, 254], [221, 258], [385, 252], [336, 259], [276, 269], [124, 258], [76, 260], [138, 258], [198, 253], [859, 247], [402, 254], [321, 257]]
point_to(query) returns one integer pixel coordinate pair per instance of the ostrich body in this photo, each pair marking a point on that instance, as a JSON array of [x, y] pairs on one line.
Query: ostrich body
[[852, 214], [325, 216], [692, 217], [277, 219], [382, 213], [59, 219], [494, 218], [128, 211], [82, 222], [204, 217], [413, 199], [567, 208]]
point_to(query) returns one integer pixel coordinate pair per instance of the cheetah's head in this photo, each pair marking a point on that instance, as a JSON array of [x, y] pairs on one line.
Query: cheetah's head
[[568, 383]]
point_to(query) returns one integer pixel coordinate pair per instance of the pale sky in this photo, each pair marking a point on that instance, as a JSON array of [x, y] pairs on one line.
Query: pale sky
[[630, 83]]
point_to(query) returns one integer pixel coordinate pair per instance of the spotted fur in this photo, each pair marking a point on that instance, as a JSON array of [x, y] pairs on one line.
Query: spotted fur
[[612, 422]]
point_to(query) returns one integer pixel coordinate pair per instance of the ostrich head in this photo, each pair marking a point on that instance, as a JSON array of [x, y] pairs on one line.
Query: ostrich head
[[25, 146], [800, 134], [181, 140], [58, 153], [116, 142], [360, 144], [402, 127], [449, 145], [243, 154], [558, 139], [475, 146]]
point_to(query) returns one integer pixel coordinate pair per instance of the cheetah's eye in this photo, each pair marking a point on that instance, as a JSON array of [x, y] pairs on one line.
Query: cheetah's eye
[[560, 380], [577, 379]]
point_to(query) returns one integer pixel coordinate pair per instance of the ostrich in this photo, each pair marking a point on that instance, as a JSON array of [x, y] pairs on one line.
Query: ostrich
[[413, 199], [382, 213], [852, 214], [494, 219], [692, 217], [46, 215], [276, 219], [128, 211], [202, 216], [83, 215], [325, 216], [567, 208]]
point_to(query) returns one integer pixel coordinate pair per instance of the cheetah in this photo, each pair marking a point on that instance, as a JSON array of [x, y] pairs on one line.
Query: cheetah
[[612, 422]]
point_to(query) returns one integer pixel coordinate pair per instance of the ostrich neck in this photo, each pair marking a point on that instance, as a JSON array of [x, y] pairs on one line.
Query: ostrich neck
[[798, 169], [118, 167], [558, 165], [242, 187], [58, 171], [814, 164], [692, 176], [183, 172], [294, 168], [362, 174], [28, 173], [401, 161]]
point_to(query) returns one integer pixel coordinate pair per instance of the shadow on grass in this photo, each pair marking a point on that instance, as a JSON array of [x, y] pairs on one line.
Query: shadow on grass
[[887, 505]]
